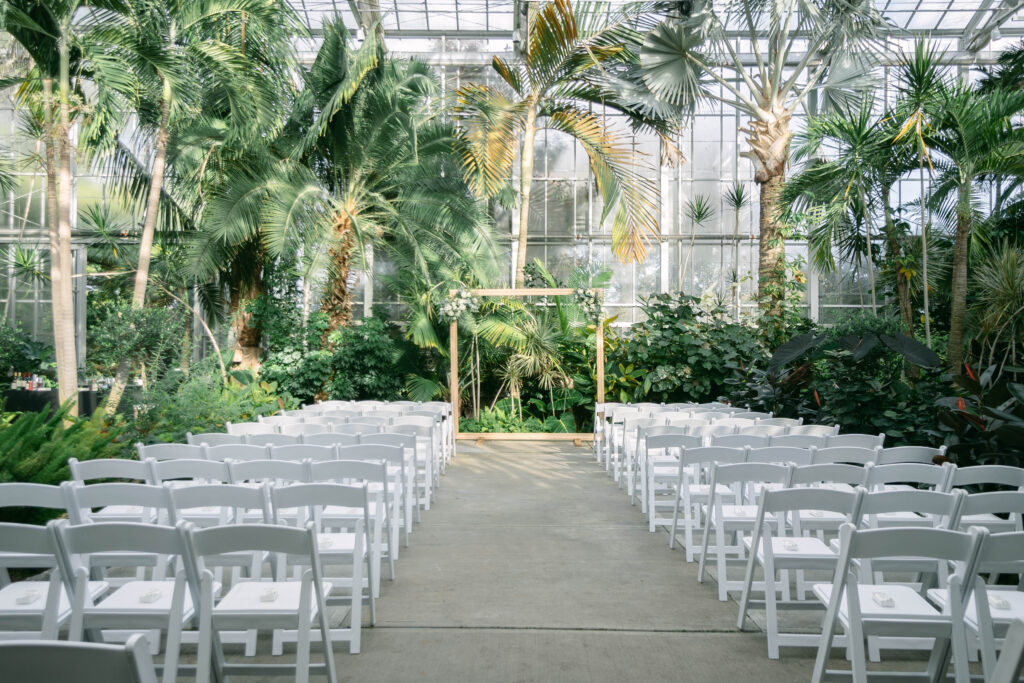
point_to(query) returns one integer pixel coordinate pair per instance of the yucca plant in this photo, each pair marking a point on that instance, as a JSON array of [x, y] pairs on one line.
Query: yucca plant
[[736, 198], [574, 57], [799, 46], [698, 211]]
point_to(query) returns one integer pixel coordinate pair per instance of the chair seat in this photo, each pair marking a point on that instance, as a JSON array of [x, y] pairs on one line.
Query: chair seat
[[37, 591], [336, 544], [798, 547], [1004, 605], [906, 602], [247, 597], [143, 596], [741, 514], [993, 523], [902, 518], [124, 513]]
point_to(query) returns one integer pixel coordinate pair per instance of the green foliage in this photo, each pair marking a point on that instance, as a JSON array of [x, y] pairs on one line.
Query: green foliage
[[35, 447], [364, 362], [149, 336], [20, 353], [200, 401], [685, 352], [986, 425], [504, 417], [854, 374]]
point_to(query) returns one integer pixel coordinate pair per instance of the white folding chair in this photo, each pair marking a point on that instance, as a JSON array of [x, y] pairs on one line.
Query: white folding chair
[[270, 439], [740, 441], [690, 493], [907, 476], [829, 475], [351, 428], [188, 472], [624, 466], [342, 541], [301, 429], [238, 452], [798, 440], [855, 440], [845, 454], [783, 547], [36, 608], [83, 472], [793, 454], [864, 609], [50, 500], [1000, 476], [992, 608], [383, 505], [824, 431], [46, 662], [330, 439], [1010, 666], [299, 452], [259, 472], [998, 511], [780, 422], [903, 454], [427, 468], [170, 451], [212, 438], [408, 492], [660, 454], [745, 480], [273, 604], [155, 605], [761, 429], [247, 428]]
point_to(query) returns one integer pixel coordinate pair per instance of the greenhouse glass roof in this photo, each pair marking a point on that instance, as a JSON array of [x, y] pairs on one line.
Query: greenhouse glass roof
[[979, 24]]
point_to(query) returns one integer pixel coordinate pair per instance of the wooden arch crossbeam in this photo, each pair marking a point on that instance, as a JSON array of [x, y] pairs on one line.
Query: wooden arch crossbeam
[[453, 377]]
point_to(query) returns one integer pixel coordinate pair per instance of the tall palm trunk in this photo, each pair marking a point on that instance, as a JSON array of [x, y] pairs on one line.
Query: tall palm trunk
[[526, 183], [246, 338], [57, 269], [958, 306], [924, 253], [769, 140], [156, 182], [871, 257], [337, 301], [895, 252], [60, 281]]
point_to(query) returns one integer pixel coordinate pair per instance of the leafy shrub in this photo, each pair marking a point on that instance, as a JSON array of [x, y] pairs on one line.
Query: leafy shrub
[[148, 335], [364, 362], [20, 353], [200, 401], [688, 352], [504, 418], [298, 364], [986, 425], [35, 447]]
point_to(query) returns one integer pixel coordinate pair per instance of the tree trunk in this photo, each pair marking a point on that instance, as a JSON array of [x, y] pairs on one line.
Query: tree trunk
[[769, 151], [895, 256], [924, 255], [958, 305], [337, 301], [247, 338], [60, 282], [771, 274], [526, 180], [871, 258], [57, 269], [156, 182]]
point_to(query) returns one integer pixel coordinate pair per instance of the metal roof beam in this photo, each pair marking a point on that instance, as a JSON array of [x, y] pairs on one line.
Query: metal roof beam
[[980, 37]]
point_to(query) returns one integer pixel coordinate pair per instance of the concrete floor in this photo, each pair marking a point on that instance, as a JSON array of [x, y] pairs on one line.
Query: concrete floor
[[532, 566]]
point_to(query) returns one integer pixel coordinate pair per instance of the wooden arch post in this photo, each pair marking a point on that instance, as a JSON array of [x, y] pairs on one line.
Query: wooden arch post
[[453, 376]]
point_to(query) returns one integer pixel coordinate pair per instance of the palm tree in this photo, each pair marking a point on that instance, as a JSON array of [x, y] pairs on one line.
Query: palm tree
[[919, 78], [573, 57], [68, 49], [736, 198], [183, 52], [359, 161], [979, 140], [699, 211], [689, 60], [858, 178]]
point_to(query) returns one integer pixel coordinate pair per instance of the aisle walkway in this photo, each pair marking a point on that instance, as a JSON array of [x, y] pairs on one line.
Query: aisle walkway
[[533, 567]]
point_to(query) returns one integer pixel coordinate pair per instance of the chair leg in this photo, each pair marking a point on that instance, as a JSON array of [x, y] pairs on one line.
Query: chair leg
[[302, 637], [204, 655], [771, 608], [748, 581]]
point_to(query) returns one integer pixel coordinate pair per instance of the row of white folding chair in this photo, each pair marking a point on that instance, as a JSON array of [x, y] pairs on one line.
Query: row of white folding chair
[[419, 480], [190, 597], [425, 428], [440, 409], [608, 415], [290, 464], [690, 490]]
